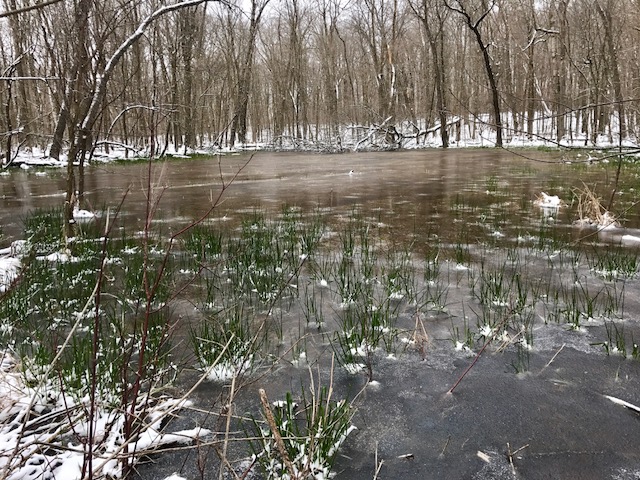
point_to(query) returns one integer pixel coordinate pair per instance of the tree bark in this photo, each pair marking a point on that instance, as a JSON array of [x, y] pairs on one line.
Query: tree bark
[[474, 26], [436, 44], [245, 74]]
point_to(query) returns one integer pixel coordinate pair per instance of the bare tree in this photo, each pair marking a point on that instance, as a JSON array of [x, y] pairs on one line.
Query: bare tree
[[473, 17], [560, 54], [86, 119], [606, 15], [433, 19], [14, 10], [379, 26], [556, 68], [244, 66]]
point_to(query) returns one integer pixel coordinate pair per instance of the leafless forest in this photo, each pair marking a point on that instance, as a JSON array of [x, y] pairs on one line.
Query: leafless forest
[[146, 74]]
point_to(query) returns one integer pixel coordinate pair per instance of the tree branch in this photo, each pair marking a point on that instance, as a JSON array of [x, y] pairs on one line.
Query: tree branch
[[28, 8], [103, 79]]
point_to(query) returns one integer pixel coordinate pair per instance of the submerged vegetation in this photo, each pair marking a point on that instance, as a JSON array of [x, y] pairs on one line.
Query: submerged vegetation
[[101, 333]]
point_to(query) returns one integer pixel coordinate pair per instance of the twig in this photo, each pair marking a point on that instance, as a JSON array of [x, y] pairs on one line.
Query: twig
[[619, 401], [276, 433], [229, 408], [378, 464], [511, 454], [481, 351], [420, 337], [552, 358], [446, 444]]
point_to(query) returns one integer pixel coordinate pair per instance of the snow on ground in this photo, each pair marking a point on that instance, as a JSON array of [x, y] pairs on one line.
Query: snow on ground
[[10, 263], [34, 416], [470, 132], [9, 267]]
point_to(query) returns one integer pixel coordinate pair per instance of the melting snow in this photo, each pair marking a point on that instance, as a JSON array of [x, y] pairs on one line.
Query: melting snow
[[80, 215], [32, 417], [630, 239], [547, 201], [9, 267]]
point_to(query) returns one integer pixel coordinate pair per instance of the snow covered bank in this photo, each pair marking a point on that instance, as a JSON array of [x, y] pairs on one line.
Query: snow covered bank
[[43, 430]]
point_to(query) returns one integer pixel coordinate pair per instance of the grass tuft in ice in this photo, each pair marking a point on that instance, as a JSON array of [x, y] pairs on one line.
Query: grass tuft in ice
[[223, 344], [300, 442], [616, 343], [613, 263]]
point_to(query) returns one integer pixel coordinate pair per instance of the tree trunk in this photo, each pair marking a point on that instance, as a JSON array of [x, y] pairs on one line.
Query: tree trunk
[[474, 26], [245, 74], [612, 60], [436, 44], [7, 111], [58, 134], [495, 95]]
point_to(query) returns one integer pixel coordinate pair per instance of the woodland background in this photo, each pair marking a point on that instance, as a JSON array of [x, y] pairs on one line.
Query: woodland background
[[302, 73]]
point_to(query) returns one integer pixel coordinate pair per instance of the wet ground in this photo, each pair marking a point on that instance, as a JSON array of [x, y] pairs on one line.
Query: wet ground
[[547, 419]]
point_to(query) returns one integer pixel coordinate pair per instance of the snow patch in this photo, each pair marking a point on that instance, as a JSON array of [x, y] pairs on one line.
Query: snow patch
[[64, 457], [9, 267], [80, 215], [548, 201], [630, 239]]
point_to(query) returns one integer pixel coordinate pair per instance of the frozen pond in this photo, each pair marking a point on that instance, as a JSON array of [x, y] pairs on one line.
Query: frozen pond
[[461, 255], [412, 191]]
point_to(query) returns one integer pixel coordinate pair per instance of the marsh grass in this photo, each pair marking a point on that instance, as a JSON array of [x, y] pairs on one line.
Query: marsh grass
[[590, 209], [521, 363], [43, 231], [462, 336], [616, 342], [462, 254], [370, 286], [203, 242], [50, 297], [615, 262], [86, 341], [312, 307], [432, 295], [225, 341], [355, 284], [299, 441]]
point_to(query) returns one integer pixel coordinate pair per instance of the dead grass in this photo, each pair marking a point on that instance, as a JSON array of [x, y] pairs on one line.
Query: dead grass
[[591, 211]]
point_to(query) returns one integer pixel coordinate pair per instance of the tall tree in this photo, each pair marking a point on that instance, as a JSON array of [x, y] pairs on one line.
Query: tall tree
[[433, 19], [612, 48], [379, 25], [244, 66], [474, 15], [560, 58]]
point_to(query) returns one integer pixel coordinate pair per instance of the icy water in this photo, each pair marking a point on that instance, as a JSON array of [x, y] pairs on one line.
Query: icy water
[[532, 409], [449, 193]]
